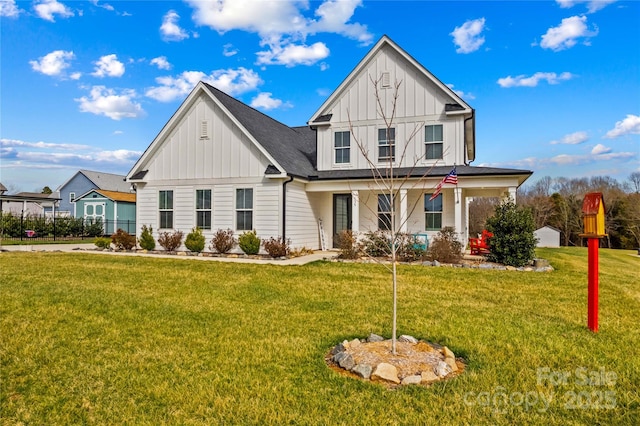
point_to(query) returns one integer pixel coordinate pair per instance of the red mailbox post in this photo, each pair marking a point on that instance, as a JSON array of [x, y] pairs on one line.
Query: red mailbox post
[[593, 217]]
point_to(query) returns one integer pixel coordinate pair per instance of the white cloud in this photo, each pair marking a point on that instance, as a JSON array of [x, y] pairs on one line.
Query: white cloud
[[461, 93], [566, 35], [292, 55], [105, 6], [170, 29], [629, 126], [117, 156], [41, 145], [265, 101], [600, 149], [53, 63], [229, 50], [161, 62], [572, 139], [230, 81], [48, 8], [532, 81], [592, 5], [103, 101], [281, 24], [9, 9], [468, 37], [108, 66]]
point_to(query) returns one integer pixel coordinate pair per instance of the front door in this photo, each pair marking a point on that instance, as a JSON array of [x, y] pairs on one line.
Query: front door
[[341, 215]]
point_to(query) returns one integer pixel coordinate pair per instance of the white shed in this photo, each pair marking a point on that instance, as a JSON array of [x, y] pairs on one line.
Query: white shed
[[547, 236]]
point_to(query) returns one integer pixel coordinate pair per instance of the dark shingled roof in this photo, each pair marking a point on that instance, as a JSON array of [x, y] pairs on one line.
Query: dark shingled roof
[[140, 175], [323, 118], [453, 107], [292, 147]]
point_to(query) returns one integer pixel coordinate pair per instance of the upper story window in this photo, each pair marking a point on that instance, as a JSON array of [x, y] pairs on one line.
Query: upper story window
[[384, 212], [342, 146], [72, 197], [203, 208], [165, 206], [433, 142], [387, 144], [433, 213], [244, 209]]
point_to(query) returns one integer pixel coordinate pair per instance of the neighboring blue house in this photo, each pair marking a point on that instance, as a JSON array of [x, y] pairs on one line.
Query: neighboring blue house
[[84, 181]]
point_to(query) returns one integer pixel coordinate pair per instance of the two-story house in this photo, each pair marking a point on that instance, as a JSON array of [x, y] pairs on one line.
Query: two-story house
[[220, 164]]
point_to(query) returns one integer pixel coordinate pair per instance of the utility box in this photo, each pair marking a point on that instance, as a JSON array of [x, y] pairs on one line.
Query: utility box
[[593, 215]]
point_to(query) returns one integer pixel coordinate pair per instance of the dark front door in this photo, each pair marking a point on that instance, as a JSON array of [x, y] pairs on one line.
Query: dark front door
[[341, 215]]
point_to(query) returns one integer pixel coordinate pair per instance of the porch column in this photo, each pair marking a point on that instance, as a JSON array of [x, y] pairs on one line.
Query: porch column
[[355, 211], [457, 212], [403, 210], [512, 193]]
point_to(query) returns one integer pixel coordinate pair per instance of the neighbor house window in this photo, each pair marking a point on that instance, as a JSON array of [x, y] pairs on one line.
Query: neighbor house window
[[386, 144], [203, 208], [244, 209], [342, 147], [384, 212], [433, 142], [166, 209], [433, 212], [72, 197]]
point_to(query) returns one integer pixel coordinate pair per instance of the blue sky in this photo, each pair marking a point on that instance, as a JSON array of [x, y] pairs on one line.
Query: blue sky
[[89, 84]]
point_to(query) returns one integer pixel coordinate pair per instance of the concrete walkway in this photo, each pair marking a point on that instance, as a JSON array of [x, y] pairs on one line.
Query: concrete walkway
[[90, 249]]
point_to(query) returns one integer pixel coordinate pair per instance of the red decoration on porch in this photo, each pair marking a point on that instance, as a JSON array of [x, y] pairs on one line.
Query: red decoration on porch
[[480, 246]]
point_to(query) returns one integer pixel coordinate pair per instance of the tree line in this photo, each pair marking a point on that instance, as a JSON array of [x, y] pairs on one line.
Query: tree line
[[557, 202]]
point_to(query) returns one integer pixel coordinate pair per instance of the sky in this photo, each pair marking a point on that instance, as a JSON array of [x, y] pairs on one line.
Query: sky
[[89, 84]]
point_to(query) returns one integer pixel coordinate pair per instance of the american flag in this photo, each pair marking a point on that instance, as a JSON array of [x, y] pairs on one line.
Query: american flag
[[451, 178]]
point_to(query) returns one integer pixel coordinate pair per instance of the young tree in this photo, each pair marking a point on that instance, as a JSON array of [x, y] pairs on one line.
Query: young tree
[[388, 181]]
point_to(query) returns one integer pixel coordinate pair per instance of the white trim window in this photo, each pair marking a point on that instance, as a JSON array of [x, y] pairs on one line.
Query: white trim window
[[72, 197], [244, 209], [387, 144], [165, 206], [433, 213], [433, 142], [203, 208], [384, 212], [342, 146]]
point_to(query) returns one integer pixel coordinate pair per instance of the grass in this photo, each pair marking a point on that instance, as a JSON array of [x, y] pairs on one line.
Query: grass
[[91, 339]]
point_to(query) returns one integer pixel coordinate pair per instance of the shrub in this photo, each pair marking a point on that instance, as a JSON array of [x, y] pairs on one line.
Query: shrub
[[195, 240], [170, 241], [513, 242], [409, 250], [276, 247], [94, 228], [348, 245], [249, 242], [377, 243], [302, 251], [123, 240], [445, 247], [146, 240], [103, 242], [222, 241]]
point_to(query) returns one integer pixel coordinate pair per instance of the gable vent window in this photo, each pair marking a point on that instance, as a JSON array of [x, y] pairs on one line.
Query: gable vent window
[[204, 129], [386, 79]]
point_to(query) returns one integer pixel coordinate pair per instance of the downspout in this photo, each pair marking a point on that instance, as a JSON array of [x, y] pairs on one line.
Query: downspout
[[284, 207], [471, 117]]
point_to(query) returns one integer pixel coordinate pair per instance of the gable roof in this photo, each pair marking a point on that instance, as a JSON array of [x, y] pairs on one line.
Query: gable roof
[[128, 197], [101, 180], [320, 115]]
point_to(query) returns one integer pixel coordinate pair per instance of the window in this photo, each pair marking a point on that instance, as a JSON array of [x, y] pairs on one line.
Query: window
[[433, 142], [244, 209], [72, 197], [384, 212], [166, 209], [342, 147], [386, 144], [433, 213], [203, 208]]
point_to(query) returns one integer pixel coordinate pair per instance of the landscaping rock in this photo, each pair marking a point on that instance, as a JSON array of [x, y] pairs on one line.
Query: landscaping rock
[[375, 338], [412, 380], [540, 263], [447, 352], [443, 369], [355, 343], [451, 362], [408, 339], [363, 370], [428, 377], [347, 362], [436, 263], [386, 372], [337, 348]]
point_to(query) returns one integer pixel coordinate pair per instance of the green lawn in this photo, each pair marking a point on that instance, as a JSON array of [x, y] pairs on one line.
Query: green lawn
[[92, 339]]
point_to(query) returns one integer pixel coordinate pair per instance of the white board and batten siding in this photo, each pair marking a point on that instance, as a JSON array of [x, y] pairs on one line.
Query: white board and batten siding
[[420, 102], [302, 216]]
